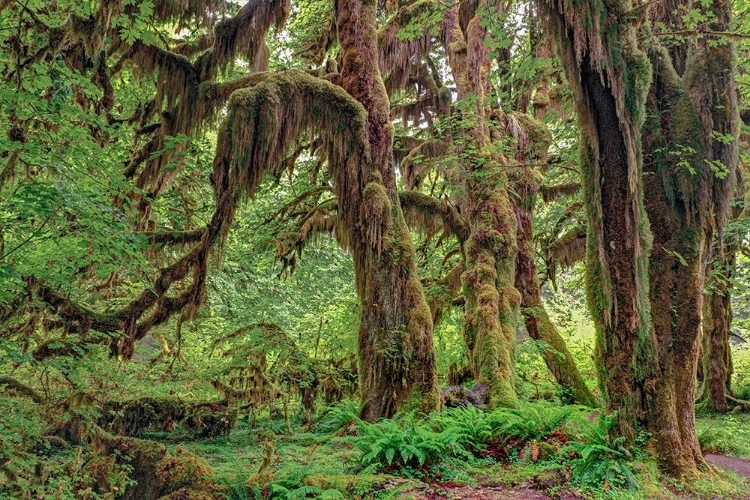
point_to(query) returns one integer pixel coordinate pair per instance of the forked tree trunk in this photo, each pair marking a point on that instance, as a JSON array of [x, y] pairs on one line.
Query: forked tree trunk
[[690, 148], [396, 355], [648, 350]]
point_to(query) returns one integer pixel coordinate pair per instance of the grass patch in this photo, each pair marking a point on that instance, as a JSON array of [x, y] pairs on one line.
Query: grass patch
[[727, 434]]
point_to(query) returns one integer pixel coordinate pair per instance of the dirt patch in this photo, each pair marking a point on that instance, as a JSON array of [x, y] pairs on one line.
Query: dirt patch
[[737, 465], [485, 492]]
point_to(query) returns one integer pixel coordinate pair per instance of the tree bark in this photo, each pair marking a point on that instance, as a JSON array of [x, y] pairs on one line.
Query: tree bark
[[716, 352], [688, 193], [491, 300], [396, 356], [610, 106], [648, 318]]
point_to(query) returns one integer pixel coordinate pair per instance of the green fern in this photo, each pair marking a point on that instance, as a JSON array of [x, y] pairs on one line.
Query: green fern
[[401, 442], [237, 489], [715, 439], [339, 416], [604, 461], [473, 426], [289, 485], [743, 393], [529, 422]]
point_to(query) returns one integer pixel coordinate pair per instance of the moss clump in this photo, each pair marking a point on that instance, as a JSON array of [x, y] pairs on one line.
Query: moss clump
[[360, 483], [151, 471], [375, 215]]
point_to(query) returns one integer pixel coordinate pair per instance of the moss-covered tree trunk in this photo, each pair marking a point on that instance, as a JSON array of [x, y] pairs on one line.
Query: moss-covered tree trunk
[[676, 273], [716, 367], [538, 324], [716, 353], [649, 335], [610, 109], [491, 300], [531, 152], [396, 356], [690, 149]]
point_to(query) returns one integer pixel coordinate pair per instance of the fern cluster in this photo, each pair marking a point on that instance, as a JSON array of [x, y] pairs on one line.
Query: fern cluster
[[456, 432], [338, 416], [531, 421], [398, 443], [289, 485], [473, 426], [603, 461]]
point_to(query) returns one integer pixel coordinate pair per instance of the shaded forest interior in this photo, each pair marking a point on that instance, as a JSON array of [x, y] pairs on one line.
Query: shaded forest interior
[[372, 249]]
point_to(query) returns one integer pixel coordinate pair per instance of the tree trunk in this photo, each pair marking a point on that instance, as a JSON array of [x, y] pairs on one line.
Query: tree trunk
[[396, 356], [688, 193], [556, 356], [491, 301], [717, 354], [649, 351], [676, 274], [610, 108]]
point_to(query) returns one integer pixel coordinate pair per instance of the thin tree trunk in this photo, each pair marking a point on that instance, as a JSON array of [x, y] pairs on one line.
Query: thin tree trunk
[[558, 359], [717, 354], [716, 369], [531, 150]]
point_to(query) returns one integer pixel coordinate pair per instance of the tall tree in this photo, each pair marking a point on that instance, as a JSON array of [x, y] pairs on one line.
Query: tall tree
[[609, 77], [397, 365], [348, 121], [527, 179], [648, 313], [491, 300], [690, 150]]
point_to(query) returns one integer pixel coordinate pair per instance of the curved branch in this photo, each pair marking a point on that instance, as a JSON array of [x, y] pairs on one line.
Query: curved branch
[[266, 121], [551, 193], [425, 211], [174, 237], [569, 248], [14, 385], [79, 319]]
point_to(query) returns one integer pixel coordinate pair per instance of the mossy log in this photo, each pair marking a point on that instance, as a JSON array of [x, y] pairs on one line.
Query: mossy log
[[133, 418]]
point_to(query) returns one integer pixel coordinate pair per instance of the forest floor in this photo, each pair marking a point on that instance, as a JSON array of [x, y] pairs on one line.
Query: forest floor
[[307, 458]]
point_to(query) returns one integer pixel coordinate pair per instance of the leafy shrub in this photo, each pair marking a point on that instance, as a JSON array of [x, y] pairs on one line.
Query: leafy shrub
[[398, 443], [603, 461]]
